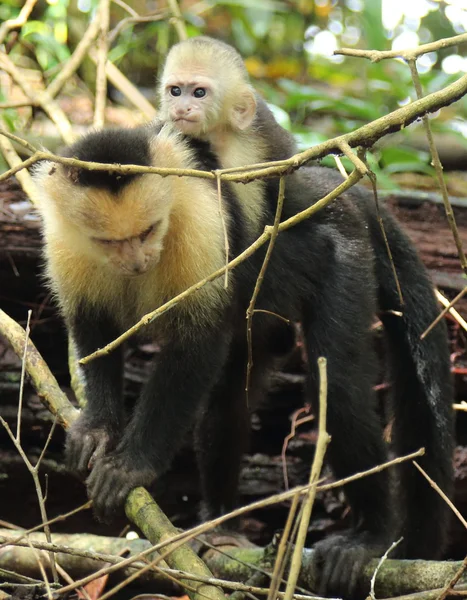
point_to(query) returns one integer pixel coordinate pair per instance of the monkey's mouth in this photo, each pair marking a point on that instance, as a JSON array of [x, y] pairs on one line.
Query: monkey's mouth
[[185, 120]]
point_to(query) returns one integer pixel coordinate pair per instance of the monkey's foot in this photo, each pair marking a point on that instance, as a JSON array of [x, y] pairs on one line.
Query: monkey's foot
[[340, 559], [86, 442], [112, 479]]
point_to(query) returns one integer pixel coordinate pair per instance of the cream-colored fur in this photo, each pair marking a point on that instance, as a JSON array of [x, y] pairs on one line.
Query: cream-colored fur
[[187, 245]]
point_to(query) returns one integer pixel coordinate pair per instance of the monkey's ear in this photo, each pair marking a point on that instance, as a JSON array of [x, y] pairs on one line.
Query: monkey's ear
[[244, 110]]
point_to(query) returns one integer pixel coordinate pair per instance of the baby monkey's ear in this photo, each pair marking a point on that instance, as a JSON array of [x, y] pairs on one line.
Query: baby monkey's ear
[[244, 110]]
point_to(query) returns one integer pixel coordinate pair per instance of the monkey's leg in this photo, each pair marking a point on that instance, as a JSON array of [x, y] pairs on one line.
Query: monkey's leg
[[221, 437], [99, 426], [340, 332]]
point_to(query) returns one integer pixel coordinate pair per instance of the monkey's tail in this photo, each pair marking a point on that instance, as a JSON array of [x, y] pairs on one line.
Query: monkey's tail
[[422, 389]]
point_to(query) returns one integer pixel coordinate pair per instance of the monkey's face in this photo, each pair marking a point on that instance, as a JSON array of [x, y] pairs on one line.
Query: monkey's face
[[190, 101], [134, 255]]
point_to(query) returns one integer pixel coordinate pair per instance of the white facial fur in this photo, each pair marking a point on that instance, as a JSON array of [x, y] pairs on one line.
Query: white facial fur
[[203, 92], [191, 102]]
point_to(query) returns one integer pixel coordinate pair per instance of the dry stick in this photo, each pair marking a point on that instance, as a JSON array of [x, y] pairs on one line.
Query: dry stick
[[134, 19], [44, 382], [372, 178], [444, 312], [126, 7], [21, 384], [18, 140], [43, 573], [452, 311], [377, 55], [281, 562], [148, 567], [150, 317], [224, 227], [177, 20], [102, 51], [379, 565], [436, 487], [438, 168], [321, 445], [366, 135], [19, 21], [42, 98], [75, 60], [124, 85], [24, 178], [462, 569], [259, 281], [34, 471], [184, 536], [447, 590], [16, 104], [69, 579], [175, 574], [19, 540], [110, 167]]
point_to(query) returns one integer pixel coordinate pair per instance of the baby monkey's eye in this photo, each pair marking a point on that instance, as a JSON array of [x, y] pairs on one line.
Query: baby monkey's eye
[[199, 93], [175, 91]]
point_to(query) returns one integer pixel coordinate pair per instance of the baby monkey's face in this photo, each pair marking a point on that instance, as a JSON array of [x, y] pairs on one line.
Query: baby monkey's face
[[190, 102]]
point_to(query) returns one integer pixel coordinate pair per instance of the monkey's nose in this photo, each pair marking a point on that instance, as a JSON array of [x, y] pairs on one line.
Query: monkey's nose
[[139, 268]]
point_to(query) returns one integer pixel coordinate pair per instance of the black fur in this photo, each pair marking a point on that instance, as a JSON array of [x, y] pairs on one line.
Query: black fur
[[333, 274], [132, 148]]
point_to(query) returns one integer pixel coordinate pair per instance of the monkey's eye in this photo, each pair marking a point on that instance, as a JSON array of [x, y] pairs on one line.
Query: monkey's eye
[[175, 91], [105, 242], [147, 232], [199, 93]]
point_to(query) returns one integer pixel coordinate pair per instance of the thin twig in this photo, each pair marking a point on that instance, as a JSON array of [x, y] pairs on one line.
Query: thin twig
[[43, 573], [101, 76], [366, 136], [21, 384], [19, 21], [452, 311], [444, 312], [224, 227], [259, 281], [380, 564], [321, 445], [177, 20], [41, 98], [436, 162], [436, 487], [183, 537], [281, 562], [70, 67], [412, 53]]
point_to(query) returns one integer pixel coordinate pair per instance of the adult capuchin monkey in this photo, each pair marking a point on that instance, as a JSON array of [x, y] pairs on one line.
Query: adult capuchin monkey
[[117, 246]]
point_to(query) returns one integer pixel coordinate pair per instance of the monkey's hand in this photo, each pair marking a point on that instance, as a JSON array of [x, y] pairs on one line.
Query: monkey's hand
[[87, 441], [340, 559], [112, 478]]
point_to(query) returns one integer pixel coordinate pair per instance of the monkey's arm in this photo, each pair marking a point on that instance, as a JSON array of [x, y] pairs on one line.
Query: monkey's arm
[[188, 367], [99, 425]]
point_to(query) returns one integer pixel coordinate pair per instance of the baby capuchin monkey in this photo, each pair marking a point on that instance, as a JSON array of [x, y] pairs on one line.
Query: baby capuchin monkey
[[118, 246], [205, 90]]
